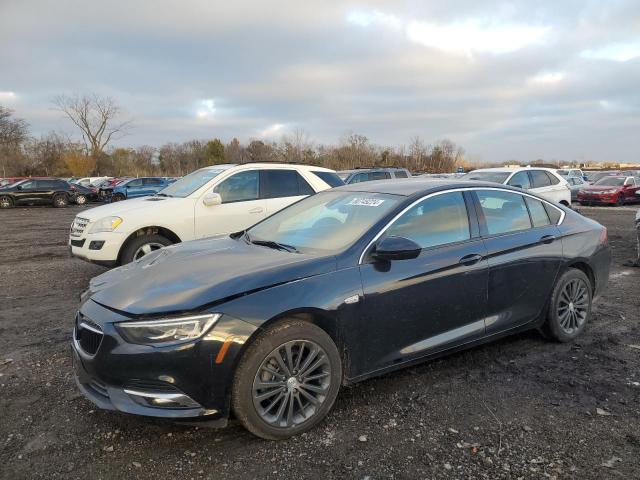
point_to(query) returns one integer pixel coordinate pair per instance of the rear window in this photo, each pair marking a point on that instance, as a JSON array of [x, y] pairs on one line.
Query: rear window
[[552, 178], [330, 178], [539, 178], [538, 213], [554, 213], [284, 183], [504, 212]]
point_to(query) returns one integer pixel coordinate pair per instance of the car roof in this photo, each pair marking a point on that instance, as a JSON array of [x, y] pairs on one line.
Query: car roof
[[298, 166], [417, 186], [512, 169]]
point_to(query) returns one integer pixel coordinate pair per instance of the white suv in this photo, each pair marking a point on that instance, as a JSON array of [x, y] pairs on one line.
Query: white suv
[[543, 181], [213, 200]]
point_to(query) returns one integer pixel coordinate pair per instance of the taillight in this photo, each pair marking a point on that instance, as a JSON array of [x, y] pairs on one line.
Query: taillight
[[604, 237]]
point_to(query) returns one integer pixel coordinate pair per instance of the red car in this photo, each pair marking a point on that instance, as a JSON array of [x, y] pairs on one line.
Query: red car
[[615, 190]]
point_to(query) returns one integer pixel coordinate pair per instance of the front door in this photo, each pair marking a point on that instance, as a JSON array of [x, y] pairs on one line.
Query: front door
[[241, 206], [412, 308]]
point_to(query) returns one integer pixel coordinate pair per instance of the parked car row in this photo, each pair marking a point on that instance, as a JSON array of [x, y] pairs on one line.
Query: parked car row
[[292, 289]]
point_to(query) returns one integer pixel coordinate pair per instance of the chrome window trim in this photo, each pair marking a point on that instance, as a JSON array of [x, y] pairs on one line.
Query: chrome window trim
[[466, 189]]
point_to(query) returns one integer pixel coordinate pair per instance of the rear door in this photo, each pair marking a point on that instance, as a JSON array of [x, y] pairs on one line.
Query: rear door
[[420, 306], [524, 253], [282, 187], [151, 185], [241, 206]]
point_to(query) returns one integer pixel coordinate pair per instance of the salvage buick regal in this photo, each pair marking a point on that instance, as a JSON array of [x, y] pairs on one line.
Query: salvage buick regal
[[266, 324]]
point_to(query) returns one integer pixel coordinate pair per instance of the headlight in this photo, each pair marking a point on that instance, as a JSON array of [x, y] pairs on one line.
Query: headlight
[[106, 224], [167, 330]]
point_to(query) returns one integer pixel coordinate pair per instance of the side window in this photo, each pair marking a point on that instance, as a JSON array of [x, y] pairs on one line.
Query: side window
[[151, 181], [241, 187], [539, 178], [379, 175], [280, 183], [42, 184], [504, 212], [361, 177], [28, 185], [400, 174], [135, 183], [520, 179], [438, 220], [552, 178], [303, 186], [554, 213], [538, 214]]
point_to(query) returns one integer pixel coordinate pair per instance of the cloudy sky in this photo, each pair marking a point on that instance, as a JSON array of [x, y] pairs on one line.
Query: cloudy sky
[[557, 79]]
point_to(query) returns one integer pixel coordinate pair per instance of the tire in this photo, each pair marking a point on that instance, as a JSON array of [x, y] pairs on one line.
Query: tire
[[569, 308], [620, 200], [118, 197], [81, 199], [6, 201], [60, 200], [256, 414], [135, 249]]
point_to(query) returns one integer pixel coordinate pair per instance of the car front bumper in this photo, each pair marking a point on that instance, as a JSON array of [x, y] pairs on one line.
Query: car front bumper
[[100, 248], [127, 377], [604, 199]]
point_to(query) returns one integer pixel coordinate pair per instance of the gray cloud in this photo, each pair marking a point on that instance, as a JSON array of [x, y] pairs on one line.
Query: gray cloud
[[507, 80]]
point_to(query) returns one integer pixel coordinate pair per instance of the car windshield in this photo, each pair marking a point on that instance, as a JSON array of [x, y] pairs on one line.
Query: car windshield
[[327, 222], [190, 183], [495, 177], [563, 172], [611, 181]]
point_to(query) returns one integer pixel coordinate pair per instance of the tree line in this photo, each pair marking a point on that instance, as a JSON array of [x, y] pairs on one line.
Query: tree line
[[98, 122]]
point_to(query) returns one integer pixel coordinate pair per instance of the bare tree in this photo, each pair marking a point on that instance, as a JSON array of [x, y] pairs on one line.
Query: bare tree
[[13, 131], [97, 118]]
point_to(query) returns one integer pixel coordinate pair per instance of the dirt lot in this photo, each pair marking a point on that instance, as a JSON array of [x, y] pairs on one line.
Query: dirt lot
[[519, 408]]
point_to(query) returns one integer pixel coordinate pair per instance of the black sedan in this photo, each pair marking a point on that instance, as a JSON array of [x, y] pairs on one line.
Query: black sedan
[[344, 285]]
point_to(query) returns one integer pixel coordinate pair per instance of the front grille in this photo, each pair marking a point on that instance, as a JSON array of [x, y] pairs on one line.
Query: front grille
[[77, 243], [78, 226], [150, 385], [88, 334]]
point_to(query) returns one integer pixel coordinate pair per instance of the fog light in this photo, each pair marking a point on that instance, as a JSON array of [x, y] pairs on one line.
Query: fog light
[[96, 244], [161, 399]]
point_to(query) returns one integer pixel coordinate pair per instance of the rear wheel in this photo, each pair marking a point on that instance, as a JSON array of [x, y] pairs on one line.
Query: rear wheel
[[60, 200], [570, 306], [6, 202], [287, 380], [142, 245]]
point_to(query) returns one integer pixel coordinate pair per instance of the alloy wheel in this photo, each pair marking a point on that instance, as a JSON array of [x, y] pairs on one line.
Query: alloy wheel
[[146, 248], [573, 305], [5, 202], [291, 383]]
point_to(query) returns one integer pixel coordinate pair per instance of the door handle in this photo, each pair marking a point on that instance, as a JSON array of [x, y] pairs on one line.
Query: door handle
[[547, 239], [470, 259], [256, 210]]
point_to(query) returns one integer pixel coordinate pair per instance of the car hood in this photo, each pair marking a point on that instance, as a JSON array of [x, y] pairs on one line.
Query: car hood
[[164, 204], [600, 188], [191, 275]]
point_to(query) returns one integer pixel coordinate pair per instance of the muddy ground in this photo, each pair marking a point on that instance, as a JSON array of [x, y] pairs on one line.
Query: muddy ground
[[518, 408]]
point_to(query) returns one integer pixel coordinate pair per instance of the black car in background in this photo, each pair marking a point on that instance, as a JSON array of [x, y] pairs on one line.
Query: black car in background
[[84, 194], [347, 284], [37, 191]]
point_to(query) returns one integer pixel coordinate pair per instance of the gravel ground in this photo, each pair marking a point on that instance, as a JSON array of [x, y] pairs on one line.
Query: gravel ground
[[518, 408]]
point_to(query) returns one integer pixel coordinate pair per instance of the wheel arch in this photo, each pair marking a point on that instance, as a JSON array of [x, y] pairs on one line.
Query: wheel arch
[[585, 268], [149, 230]]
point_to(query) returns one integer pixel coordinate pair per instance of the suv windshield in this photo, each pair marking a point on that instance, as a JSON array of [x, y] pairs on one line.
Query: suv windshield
[[495, 177], [190, 183], [327, 222], [612, 181]]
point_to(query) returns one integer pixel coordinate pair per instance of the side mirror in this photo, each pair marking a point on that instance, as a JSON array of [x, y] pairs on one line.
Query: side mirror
[[211, 199], [396, 248]]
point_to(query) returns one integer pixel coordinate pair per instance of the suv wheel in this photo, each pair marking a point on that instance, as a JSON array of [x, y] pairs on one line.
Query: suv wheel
[[6, 202], [60, 200], [570, 306], [140, 246], [287, 380]]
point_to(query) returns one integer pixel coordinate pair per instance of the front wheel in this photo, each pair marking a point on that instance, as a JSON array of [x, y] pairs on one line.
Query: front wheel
[[141, 246], [570, 306], [81, 200], [287, 380], [6, 202]]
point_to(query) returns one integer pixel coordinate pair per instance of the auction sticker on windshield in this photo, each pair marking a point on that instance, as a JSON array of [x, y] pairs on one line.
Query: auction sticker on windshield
[[366, 202]]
